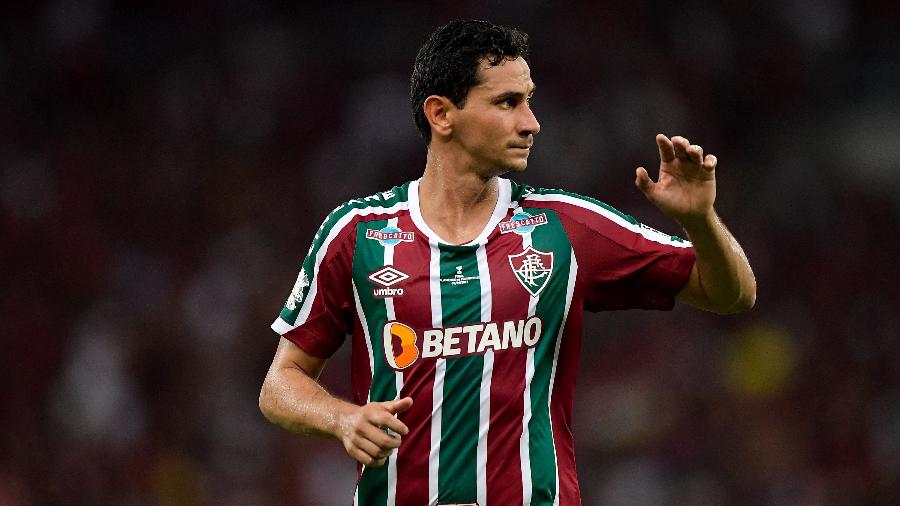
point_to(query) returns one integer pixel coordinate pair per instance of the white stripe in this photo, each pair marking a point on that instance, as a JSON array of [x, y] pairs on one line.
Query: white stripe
[[440, 367], [282, 326], [484, 421], [524, 453], [389, 260], [484, 274], [487, 371], [649, 234], [392, 460], [524, 448], [434, 281], [398, 375], [504, 193], [570, 289], [365, 327]]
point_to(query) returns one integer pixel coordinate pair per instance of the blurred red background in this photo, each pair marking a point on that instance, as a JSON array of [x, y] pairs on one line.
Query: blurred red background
[[164, 169]]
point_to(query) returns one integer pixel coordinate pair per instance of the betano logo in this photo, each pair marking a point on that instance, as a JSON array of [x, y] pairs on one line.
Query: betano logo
[[403, 347]]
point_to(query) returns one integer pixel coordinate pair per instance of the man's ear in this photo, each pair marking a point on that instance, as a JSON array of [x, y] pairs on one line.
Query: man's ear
[[439, 112]]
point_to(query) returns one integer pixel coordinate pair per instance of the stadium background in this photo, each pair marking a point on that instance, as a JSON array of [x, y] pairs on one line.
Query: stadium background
[[165, 167]]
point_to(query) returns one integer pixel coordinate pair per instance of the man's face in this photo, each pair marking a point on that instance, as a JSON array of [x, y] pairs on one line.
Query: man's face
[[496, 126]]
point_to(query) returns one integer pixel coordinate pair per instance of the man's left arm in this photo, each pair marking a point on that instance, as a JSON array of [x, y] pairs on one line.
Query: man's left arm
[[721, 279]]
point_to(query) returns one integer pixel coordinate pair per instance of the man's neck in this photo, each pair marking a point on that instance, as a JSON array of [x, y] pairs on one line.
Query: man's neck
[[456, 202]]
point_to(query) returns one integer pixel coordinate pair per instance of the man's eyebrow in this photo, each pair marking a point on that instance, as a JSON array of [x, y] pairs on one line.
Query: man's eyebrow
[[514, 94]]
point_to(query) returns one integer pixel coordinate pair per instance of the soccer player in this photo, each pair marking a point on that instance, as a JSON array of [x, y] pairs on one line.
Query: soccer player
[[463, 293]]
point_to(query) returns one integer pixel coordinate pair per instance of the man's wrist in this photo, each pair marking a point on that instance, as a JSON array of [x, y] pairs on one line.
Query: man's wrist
[[337, 423], [699, 224]]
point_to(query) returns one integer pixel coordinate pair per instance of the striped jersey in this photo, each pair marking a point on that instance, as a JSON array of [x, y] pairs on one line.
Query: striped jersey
[[483, 336]]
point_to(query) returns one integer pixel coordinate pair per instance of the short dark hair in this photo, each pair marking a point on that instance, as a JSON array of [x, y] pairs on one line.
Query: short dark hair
[[447, 64]]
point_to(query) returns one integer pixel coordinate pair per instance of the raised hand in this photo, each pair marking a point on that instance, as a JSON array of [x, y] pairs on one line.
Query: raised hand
[[372, 432], [686, 187]]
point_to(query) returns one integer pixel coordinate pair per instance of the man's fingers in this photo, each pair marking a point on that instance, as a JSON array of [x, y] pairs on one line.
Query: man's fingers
[[360, 456], [710, 162], [695, 152], [666, 150], [642, 180], [381, 438], [399, 406], [395, 425], [681, 146], [366, 459], [372, 450]]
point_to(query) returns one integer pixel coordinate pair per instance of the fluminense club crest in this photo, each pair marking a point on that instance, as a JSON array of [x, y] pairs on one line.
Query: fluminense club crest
[[533, 269]]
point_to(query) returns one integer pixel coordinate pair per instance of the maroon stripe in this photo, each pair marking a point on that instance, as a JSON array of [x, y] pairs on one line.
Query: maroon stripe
[[504, 468], [322, 333], [561, 403], [360, 373], [414, 310]]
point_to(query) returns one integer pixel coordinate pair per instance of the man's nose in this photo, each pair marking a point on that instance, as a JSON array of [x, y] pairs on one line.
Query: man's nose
[[529, 123]]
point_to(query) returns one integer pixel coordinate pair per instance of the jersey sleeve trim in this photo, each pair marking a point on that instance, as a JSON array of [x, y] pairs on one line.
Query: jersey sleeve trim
[[313, 344], [336, 223], [609, 213]]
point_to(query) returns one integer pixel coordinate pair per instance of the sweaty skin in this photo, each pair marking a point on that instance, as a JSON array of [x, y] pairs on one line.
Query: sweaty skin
[[492, 134], [721, 280]]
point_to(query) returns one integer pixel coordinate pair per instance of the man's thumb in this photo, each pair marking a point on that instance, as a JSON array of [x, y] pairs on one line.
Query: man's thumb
[[400, 405]]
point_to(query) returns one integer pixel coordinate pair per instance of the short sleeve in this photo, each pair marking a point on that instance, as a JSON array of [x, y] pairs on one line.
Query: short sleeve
[[317, 315], [629, 270], [622, 264]]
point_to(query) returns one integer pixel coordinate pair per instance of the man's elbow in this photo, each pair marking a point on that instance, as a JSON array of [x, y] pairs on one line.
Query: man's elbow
[[267, 405], [744, 303]]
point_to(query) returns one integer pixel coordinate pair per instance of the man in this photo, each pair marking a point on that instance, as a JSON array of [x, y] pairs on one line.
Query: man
[[463, 293]]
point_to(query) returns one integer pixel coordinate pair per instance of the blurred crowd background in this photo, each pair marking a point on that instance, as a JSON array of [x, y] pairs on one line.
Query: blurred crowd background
[[164, 168]]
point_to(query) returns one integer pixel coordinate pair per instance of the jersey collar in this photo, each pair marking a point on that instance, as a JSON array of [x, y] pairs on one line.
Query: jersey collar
[[500, 210]]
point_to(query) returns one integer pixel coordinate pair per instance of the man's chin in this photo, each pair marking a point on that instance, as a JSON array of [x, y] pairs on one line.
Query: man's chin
[[510, 166], [516, 164]]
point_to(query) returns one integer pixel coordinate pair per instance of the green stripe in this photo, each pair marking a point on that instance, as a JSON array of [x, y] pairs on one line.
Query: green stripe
[[369, 256], [397, 194], [550, 308], [462, 381]]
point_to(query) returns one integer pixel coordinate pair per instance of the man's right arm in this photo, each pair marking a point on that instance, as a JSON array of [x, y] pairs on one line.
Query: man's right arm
[[292, 398]]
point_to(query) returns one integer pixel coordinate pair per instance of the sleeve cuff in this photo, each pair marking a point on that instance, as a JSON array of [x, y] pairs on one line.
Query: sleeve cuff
[[281, 327]]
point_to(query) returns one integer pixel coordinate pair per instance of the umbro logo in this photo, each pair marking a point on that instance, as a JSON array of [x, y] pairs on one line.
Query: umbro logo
[[387, 277]]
